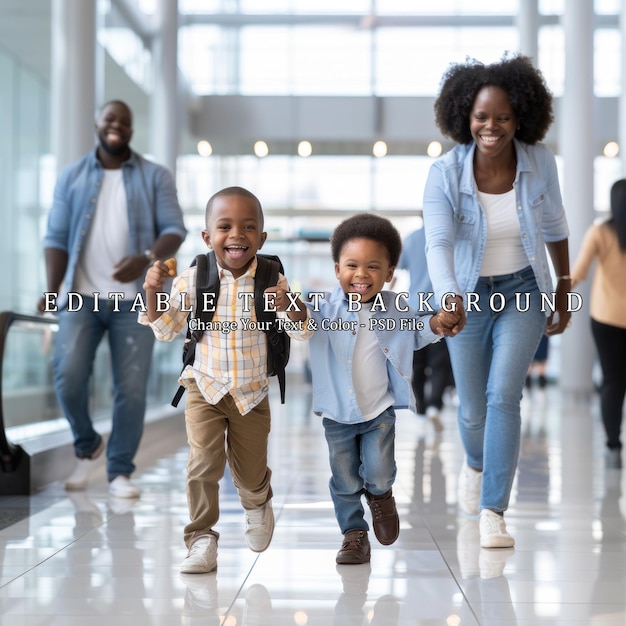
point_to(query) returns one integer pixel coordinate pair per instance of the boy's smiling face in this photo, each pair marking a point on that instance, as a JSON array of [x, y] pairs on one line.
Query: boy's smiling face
[[363, 267], [234, 232]]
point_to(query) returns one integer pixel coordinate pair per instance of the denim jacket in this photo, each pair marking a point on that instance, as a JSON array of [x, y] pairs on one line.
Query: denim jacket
[[455, 223], [153, 208], [331, 355]]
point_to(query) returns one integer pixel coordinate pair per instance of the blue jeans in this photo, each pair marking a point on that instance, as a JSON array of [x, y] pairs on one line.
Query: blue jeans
[[361, 460], [130, 346], [490, 358]]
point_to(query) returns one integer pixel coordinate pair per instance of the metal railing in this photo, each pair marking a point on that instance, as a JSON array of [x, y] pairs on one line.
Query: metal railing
[[31, 420]]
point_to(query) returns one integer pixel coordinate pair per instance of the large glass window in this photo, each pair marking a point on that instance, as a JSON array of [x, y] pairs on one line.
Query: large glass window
[[411, 61]]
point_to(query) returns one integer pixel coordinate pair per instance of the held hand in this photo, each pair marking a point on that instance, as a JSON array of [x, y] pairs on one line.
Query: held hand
[[447, 323], [156, 276], [451, 318]]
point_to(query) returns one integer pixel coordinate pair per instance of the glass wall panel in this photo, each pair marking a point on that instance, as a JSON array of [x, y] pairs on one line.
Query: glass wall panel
[[447, 7], [24, 102], [295, 7], [607, 63], [552, 57], [305, 60]]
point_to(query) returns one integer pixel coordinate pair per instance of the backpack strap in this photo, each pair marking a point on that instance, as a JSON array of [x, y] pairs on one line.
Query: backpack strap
[[207, 281], [267, 271]]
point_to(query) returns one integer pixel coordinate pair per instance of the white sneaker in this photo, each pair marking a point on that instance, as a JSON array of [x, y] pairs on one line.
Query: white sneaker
[[470, 482], [260, 527], [77, 480], [493, 532], [201, 557], [121, 487]]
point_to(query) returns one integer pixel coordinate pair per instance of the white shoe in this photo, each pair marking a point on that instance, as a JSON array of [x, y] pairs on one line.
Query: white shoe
[[260, 527], [77, 480], [432, 413], [201, 557], [493, 532], [470, 482], [121, 487]]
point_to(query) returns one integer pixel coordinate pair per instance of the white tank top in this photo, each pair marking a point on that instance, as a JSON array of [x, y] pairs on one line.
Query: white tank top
[[504, 253]]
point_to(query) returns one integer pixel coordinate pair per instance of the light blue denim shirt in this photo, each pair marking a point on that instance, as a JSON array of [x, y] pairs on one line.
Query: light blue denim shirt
[[331, 355], [153, 208], [456, 227]]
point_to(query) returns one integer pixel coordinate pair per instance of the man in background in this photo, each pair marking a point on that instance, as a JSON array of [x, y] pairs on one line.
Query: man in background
[[113, 214]]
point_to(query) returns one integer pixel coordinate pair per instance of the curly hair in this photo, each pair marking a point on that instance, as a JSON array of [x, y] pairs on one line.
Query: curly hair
[[367, 226], [524, 84]]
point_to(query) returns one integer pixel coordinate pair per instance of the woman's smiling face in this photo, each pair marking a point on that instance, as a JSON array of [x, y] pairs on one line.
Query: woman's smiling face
[[492, 122]]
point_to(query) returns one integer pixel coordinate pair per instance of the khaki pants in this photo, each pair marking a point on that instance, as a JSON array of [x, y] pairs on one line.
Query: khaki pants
[[217, 433]]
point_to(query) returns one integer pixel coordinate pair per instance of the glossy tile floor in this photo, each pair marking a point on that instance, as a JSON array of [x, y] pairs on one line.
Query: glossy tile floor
[[85, 559]]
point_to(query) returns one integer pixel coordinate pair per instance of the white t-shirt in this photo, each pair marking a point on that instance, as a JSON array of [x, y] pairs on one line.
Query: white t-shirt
[[504, 253], [106, 243], [369, 370]]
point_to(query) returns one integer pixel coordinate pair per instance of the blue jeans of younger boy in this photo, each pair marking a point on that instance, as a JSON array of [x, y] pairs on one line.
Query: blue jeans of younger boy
[[130, 344], [490, 359], [361, 459]]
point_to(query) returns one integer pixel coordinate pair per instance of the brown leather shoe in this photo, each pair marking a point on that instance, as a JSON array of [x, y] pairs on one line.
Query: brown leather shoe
[[355, 548], [384, 517]]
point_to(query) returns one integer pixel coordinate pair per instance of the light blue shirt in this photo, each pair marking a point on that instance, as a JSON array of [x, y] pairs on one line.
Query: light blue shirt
[[153, 208], [331, 355], [456, 227]]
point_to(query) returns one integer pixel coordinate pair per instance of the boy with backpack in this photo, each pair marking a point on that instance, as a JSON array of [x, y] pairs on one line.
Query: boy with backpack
[[227, 414]]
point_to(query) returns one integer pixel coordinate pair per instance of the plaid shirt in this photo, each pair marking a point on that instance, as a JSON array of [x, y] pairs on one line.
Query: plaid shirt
[[233, 362]]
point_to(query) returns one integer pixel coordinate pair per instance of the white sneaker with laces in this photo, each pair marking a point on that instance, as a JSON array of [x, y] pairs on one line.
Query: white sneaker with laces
[[201, 557], [493, 533], [470, 482], [260, 527], [121, 487], [77, 480]]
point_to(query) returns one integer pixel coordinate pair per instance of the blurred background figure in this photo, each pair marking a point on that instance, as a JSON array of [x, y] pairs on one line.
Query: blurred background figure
[[432, 372], [606, 243]]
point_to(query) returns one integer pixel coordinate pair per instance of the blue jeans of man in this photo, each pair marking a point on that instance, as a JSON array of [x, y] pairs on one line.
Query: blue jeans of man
[[490, 359], [130, 345], [362, 459]]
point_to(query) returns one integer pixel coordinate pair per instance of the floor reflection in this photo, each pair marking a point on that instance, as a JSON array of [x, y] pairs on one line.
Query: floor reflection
[[83, 558]]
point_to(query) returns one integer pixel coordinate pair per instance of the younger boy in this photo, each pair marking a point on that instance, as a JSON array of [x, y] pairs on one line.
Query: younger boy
[[361, 374], [227, 414]]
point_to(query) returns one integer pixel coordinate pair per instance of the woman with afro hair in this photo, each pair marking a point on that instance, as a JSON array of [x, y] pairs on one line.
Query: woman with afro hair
[[492, 205]]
